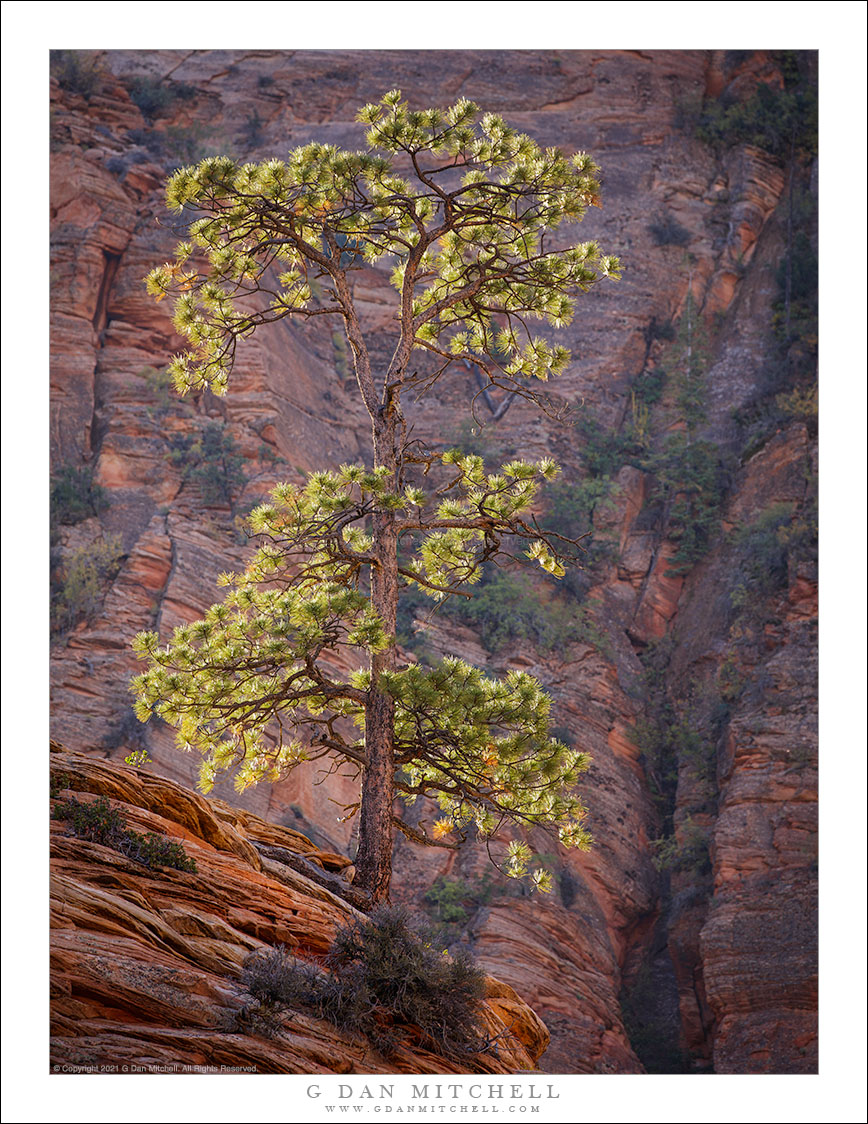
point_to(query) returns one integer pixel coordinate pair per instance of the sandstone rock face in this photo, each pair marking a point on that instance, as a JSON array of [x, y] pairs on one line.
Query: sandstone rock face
[[716, 952], [145, 962]]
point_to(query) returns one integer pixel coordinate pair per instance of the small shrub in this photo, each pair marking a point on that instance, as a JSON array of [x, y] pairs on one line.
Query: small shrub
[[382, 977], [175, 145], [155, 850], [79, 583], [75, 496], [76, 72], [155, 95], [507, 607], [138, 759], [57, 783], [211, 460], [98, 822], [686, 852], [447, 895], [667, 231], [800, 404], [252, 134], [779, 536], [117, 165], [276, 979]]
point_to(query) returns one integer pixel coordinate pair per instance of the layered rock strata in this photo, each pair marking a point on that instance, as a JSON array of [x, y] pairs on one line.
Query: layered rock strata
[[145, 963]]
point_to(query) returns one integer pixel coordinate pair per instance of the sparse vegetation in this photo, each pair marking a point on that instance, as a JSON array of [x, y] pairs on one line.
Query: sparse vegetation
[[666, 230], [75, 496], [79, 581], [383, 979], [773, 119], [252, 134], [211, 460], [686, 850], [154, 96], [98, 822], [173, 146], [508, 607], [570, 511], [780, 536], [690, 486], [77, 72]]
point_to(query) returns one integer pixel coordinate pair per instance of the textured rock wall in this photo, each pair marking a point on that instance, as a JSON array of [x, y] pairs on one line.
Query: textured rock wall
[[729, 949]]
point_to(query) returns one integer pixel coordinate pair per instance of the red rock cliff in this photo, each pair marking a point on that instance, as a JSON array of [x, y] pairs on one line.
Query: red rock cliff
[[713, 953]]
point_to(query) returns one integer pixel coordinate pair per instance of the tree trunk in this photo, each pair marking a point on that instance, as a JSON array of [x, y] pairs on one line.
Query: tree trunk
[[374, 858]]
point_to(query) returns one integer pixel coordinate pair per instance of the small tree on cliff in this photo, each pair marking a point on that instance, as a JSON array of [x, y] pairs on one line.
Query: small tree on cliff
[[463, 210]]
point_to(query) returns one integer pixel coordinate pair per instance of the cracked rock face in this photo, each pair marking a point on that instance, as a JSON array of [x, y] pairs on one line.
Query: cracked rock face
[[726, 950]]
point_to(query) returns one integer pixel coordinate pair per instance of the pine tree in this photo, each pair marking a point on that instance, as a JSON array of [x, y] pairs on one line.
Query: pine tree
[[463, 207]]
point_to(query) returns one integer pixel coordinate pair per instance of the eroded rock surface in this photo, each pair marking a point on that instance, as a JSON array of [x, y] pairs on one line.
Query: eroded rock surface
[[145, 962]]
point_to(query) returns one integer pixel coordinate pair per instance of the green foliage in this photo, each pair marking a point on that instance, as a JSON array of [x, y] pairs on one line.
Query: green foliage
[[801, 403], [603, 451], [57, 783], [481, 747], [508, 607], [523, 191], [464, 209], [138, 759], [796, 314], [447, 896], [648, 387], [778, 120], [159, 384], [77, 72], [75, 496], [155, 96], [781, 536], [690, 476], [383, 979], [97, 822], [570, 510], [211, 460], [686, 363], [79, 581], [686, 851]]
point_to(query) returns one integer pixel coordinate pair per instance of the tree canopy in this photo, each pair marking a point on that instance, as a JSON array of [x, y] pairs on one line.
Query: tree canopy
[[464, 210]]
